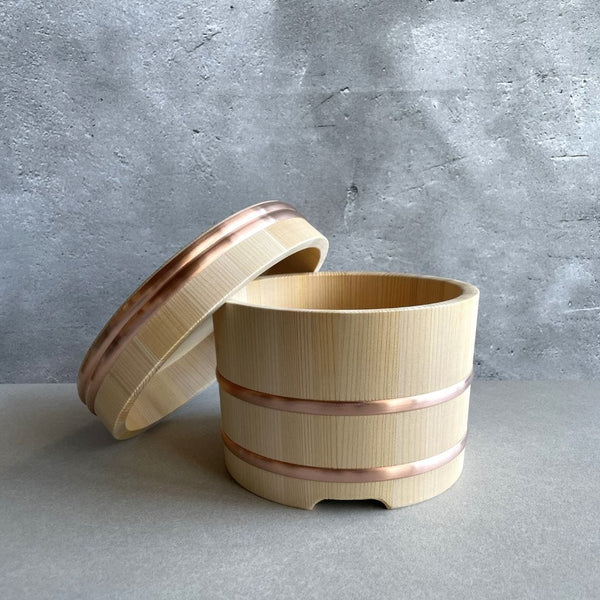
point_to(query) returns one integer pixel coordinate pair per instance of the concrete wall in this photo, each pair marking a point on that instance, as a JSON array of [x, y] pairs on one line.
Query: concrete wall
[[441, 137]]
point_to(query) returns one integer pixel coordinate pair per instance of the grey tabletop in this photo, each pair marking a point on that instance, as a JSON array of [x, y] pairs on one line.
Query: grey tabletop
[[82, 515]]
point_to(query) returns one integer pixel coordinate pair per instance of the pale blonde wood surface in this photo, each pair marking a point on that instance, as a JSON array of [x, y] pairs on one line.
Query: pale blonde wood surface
[[344, 442], [269, 340], [144, 384], [302, 493], [346, 337]]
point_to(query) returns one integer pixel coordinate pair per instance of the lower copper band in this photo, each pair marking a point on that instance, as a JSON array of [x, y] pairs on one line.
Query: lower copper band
[[372, 474], [336, 408]]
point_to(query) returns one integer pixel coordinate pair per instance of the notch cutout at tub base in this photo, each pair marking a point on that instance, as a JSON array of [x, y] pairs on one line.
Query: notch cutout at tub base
[[302, 493]]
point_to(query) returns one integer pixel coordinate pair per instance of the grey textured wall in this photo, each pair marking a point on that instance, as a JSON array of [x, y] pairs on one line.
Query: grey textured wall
[[442, 137]]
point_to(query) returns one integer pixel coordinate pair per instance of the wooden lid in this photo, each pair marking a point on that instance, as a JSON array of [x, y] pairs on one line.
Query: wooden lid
[[157, 350]]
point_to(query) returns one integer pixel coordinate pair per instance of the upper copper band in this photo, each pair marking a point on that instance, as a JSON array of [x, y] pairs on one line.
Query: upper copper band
[[167, 280], [368, 475], [337, 408]]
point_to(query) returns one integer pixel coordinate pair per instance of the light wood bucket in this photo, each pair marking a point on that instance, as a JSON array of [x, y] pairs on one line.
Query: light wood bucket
[[346, 386]]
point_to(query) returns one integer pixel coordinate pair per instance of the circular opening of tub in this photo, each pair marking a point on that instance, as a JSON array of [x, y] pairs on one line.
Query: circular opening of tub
[[349, 291]]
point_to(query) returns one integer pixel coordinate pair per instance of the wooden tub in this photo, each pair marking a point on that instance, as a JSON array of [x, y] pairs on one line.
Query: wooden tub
[[346, 385]]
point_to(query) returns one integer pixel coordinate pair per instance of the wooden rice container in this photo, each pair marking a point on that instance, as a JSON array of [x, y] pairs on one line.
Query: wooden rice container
[[346, 385]]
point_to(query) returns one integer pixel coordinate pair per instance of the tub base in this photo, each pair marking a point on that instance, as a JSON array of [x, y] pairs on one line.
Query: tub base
[[303, 493]]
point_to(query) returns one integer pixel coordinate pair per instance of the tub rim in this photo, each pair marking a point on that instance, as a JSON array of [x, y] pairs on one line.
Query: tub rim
[[468, 291]]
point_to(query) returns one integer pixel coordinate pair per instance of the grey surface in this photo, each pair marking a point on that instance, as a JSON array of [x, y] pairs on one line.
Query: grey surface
[[158, 517], [449, 138]]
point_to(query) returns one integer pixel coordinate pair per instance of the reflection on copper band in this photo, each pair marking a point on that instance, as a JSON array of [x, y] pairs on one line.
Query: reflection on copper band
[[369, 475], [168, 279], [337, 408]]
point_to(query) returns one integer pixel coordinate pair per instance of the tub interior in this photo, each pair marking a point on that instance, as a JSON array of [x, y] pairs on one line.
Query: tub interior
[[347, 291]]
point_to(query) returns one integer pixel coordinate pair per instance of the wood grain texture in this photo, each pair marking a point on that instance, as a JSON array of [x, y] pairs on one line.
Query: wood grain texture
[[302, 493], [329, 441], [346, 337], [171, 357]]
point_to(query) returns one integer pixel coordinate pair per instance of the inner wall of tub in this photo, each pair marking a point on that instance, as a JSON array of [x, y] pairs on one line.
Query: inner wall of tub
[[347, 291]]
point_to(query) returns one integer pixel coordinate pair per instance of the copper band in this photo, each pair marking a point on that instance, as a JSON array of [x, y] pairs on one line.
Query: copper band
[[372, 474], [173, 275], [336, 408]]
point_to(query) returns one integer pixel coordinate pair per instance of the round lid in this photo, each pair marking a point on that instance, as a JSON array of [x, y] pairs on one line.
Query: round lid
[[157, 350]]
